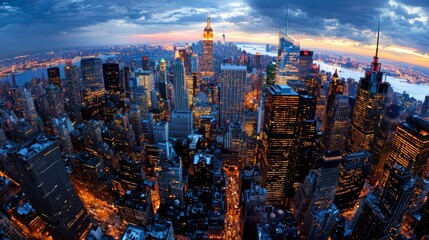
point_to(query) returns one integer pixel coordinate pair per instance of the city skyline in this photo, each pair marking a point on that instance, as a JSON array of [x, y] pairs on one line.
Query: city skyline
[[329, 25]]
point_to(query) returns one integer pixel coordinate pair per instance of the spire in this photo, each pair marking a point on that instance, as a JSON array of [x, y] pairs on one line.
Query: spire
[[335, 73], [287, 19], [378, 38], [375, 66], [208, 21]]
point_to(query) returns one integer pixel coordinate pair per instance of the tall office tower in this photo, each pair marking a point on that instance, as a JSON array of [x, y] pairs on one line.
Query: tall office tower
[[145, 63], [30, 113], [279, 143], [194, 67], [375, 218], [44, 178], [181, 100], [232, 91], [146, 80], [72, 94], [320, 217], [383, 142], [207, 64], [425, 107], [181, 124], [306, 136], [141, 99], [287, 59], [112, 82], [53, 102], [305, 63], [125, 82], [337, 119], [370, 101], [162, 71], [125, 138], [136, 122], [160, 132], [92, 86], [54, 77], [271, 73], [410, 144], [303, 196], [62, 128], [354, 169]]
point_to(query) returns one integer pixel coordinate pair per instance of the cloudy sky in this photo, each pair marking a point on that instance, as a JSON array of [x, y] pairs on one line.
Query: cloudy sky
[[340, 25]]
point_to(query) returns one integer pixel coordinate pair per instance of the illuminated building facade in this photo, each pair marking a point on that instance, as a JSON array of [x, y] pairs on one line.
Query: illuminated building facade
[[181, 100], [305, 63], [306, 136], [410, 147], [44, 177], [207, 64], [375, 217], [145, 63], [271, 73], [54, 77], [112, 82], [337, 117], [72, 93], [232, 92], [370, 101], [92, 87], [319, 219], [383, 142], [279, 143], [287, 59], [353, 171]]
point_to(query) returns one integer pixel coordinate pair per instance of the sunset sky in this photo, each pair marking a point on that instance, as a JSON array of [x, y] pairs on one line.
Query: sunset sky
[[345, 26]]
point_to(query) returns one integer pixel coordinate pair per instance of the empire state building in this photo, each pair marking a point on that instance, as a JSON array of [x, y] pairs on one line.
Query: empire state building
[[207, 66]]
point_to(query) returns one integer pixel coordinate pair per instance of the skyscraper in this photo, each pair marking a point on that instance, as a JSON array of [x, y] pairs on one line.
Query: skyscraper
[[92, 86], [353, 171], [180, 90], [425, 107], [279, 145], [207, 65], [72, 94], [337, 117], [287, 59], [44, 177], [112, 82], [375, 217], [145, 63], [320, 217], [383, 142], [271, 73], [410, 146], [54, 77], [232, 90], [370, 101]]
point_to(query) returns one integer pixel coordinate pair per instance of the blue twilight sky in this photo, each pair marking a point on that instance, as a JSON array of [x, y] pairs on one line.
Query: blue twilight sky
[[344, 25]]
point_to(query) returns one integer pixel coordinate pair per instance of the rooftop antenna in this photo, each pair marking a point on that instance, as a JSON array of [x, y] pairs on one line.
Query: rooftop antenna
[[375, 65], [378, 37], [287, 18]]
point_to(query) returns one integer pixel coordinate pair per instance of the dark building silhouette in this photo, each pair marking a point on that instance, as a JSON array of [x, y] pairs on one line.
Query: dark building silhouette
[[54, 77], [44, 178]]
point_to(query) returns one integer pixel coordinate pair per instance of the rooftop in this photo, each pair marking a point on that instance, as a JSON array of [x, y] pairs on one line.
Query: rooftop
[[232, 67], [26, 151], [283, 90], [133, 233]]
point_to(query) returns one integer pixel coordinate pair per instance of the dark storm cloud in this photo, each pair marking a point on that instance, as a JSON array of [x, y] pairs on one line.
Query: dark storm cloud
[[42, 23], [355, 20]]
